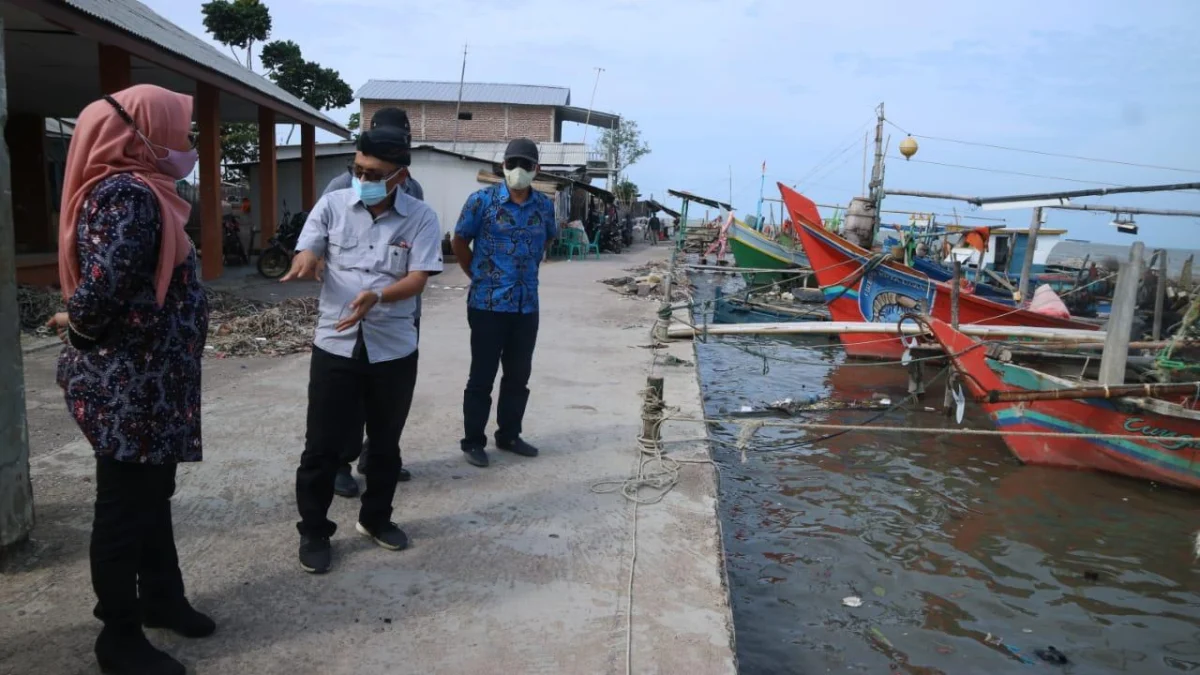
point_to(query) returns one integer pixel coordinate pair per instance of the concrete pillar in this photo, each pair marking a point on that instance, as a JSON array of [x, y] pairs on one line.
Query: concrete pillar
[[308, 167], [116, 71], [268, 176], [16, 490], [208, 116], [26, 138]]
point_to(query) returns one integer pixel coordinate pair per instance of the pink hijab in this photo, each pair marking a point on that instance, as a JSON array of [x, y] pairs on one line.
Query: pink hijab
[[104, 145]]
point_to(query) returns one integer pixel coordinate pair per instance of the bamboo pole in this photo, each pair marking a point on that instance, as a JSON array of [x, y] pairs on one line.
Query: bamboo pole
[[1120, 322], [1160, 294], [1035, 225], [872, 328], [1151, 390]]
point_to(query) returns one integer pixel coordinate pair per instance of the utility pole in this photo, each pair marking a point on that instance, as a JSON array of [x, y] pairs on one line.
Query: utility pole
[[876, 196], [458, 107], [1030, 246], [16, 490], [588, 120]]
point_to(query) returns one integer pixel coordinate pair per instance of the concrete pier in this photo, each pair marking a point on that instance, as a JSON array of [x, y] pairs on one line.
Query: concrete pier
[[519, 568]]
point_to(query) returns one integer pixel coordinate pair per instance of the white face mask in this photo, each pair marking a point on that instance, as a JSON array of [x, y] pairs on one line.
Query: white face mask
[[518, 178]]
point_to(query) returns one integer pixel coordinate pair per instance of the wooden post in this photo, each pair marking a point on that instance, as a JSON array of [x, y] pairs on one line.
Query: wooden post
[[116, 71], [1030, 247], [308, 166], [652, 407], [268, 176], [208, 115], [1160, 294], [955, 285], [1120, 321], [16, 489]]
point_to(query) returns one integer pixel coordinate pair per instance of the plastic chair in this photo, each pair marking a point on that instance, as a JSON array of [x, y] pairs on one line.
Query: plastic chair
[[570, 242], [592, 246]]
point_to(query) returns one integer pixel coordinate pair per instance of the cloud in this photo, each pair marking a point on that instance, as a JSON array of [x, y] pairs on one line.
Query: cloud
[[720, 84]]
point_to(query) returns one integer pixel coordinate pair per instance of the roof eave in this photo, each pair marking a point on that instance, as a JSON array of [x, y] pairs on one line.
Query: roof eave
[[97, 28]]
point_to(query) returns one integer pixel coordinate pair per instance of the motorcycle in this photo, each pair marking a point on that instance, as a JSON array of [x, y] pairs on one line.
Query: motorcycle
[[232, 250], [611, 237], [276, 260]]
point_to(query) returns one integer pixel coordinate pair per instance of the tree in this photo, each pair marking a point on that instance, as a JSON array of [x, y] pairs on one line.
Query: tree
[[238, 23], [354, 123], [623, 145], [321, 88], [626, 191]]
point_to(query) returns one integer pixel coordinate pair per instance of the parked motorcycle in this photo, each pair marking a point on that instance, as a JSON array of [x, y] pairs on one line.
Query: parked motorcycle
[[276, 260], [232, 250], [611, 237]]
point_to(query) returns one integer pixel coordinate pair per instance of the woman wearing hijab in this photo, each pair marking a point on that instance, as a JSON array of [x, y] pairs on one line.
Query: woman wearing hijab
[[135, 327]]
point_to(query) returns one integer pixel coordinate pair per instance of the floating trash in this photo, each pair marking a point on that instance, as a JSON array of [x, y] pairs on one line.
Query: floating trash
[[852, 601]]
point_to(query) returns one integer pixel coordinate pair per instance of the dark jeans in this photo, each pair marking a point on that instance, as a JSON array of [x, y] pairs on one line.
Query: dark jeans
[[498, 339], [342, 393], [359, 451], [134, 563]]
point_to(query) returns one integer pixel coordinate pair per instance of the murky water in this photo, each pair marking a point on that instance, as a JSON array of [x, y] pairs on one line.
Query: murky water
[[964, 560]]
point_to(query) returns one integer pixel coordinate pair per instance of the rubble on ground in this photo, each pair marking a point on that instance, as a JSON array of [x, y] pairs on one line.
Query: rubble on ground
[[237, 327], [240, 327], [646, 281]]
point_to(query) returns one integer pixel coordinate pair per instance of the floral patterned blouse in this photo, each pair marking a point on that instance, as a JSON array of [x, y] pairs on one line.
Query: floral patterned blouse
[[131, 373]]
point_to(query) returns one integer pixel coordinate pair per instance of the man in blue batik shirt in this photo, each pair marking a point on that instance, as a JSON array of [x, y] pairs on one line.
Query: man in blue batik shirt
[[510, 225]]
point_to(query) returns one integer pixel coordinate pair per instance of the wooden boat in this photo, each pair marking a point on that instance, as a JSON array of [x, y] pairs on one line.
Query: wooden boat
[[752, 248], [1004, 390], [860, 286]]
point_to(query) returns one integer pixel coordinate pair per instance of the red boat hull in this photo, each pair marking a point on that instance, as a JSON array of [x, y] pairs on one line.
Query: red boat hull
[[889, 289], [1175, 463]]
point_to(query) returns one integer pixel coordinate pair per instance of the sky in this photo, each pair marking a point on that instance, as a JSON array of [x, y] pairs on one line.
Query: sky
[[718, 88]]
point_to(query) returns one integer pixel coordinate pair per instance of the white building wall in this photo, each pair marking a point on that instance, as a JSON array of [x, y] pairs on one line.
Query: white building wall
[[447, 181]]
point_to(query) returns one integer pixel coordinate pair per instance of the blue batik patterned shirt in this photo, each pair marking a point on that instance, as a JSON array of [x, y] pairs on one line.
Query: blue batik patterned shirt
[[509, 240]]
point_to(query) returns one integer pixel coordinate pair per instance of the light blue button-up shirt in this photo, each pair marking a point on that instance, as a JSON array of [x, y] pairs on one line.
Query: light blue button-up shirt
[[366, 253]]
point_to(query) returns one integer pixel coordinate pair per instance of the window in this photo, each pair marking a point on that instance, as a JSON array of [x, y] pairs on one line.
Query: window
[[465, 116]]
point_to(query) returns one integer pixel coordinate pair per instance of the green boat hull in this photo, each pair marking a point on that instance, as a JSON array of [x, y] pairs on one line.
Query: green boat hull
[[750, 249]]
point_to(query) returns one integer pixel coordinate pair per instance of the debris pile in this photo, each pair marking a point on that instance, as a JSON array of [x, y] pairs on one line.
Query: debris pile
[[36, 305], [647, 282], [240, 327]]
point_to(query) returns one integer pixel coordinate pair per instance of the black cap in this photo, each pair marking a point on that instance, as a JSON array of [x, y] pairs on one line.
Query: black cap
[[390, 117], [522, 148]]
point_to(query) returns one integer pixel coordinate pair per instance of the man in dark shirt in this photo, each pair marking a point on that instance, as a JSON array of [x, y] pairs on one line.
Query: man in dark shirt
[[510, 225]]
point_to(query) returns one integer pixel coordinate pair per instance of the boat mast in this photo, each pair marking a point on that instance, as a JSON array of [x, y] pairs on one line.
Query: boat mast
[[876, 195]]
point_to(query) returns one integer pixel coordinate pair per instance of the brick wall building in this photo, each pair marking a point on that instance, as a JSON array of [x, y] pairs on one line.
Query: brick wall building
[[435, 121], [488, 112]]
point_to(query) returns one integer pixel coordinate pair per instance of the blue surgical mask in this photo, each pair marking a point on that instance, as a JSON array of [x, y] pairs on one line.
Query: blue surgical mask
[[371, 192]]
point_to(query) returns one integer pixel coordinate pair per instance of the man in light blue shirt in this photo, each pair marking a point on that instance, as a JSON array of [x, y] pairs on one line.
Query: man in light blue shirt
[[379, 246], [345, 485]]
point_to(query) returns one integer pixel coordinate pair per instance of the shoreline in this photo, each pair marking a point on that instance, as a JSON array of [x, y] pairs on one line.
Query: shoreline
[[517, 568]]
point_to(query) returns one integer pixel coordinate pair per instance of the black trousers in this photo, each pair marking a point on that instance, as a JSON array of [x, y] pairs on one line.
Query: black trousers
[[359, 451], [343, 393], [134, 564], [498, 339]]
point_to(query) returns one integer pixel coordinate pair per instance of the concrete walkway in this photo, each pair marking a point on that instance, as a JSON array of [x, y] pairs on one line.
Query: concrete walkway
[[515, 569]]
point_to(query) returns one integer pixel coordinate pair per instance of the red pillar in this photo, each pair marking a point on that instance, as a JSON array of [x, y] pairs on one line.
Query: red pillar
[[208, 115], [116, 72], [268, 176], [308, 166]]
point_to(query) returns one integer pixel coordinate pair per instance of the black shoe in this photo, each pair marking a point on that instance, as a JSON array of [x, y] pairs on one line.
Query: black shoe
[[404, 476], [128, 652], [388, 536], [316, 555], [518, 447], [182, 619], [476, 456], [344, 484]]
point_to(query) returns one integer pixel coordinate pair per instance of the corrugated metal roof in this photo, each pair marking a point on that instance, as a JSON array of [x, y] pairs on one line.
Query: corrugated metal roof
[[139, 20], [472, 92]]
